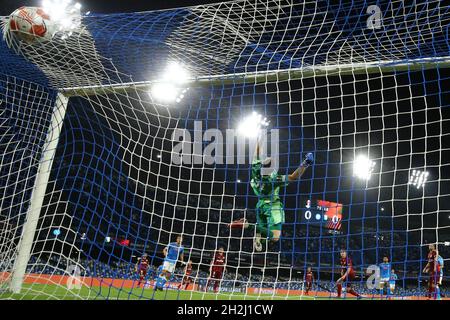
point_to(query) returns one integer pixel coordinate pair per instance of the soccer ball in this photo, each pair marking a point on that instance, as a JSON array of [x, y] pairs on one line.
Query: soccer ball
[[29, 24]]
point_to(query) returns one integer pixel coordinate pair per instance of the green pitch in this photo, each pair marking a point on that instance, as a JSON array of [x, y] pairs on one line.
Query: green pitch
[[56, 292]]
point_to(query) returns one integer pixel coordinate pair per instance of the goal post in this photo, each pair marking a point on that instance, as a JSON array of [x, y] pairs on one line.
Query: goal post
[[38, 193]]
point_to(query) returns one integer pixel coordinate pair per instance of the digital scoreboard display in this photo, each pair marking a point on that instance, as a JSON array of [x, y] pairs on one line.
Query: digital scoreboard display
[[322, 213]]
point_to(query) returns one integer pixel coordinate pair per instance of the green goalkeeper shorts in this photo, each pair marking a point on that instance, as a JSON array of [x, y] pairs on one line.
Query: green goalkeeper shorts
[[270, 214]]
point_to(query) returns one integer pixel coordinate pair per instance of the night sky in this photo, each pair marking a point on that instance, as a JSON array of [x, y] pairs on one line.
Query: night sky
[[110, 6]]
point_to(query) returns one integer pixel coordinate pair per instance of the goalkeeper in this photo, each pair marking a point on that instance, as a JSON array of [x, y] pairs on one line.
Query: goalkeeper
[[269, 209]]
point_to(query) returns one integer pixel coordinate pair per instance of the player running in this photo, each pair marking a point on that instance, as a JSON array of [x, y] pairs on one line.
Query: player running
[[433, 270], [269, 209], [172, 253], [347, 275], [309, 279], [187, 278], [217, 269], [141, 268], [392, 279], [385, 275]]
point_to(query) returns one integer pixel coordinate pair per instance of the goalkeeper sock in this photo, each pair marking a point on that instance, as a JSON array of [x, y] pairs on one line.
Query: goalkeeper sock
[[264, 232]]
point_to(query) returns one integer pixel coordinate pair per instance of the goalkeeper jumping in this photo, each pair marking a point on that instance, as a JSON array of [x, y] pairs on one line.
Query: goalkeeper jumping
[[269, 209]]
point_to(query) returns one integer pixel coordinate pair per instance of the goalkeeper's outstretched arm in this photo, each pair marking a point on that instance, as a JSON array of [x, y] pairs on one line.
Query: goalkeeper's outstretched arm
[[309, 159]]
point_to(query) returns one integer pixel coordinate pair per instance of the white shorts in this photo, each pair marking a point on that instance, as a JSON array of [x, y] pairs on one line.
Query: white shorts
[[392, 286], [383, 281], [169, 266]]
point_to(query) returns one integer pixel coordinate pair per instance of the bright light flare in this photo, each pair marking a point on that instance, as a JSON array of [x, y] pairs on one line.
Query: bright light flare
[[170, 89], [175, 73], [64, 15], [164, 92], [363, 167], [418, 178], [251, 126]]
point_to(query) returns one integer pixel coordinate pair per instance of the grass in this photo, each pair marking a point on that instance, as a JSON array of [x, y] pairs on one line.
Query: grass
[[57, 292]]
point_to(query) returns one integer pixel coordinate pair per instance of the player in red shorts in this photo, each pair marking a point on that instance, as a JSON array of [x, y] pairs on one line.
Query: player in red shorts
[[347, 275], [216, 269], [187, 279], [433, 269], [309, 278], [142, 267]]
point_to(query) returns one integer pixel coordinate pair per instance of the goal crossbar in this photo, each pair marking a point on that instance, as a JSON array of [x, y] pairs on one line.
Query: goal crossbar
[[273, 75]]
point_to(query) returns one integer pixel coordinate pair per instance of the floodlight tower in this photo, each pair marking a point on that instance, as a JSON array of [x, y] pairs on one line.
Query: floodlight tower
[[418, 178], [363, 167]]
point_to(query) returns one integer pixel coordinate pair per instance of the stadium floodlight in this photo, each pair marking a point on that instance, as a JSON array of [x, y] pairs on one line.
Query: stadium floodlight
[[56, 232], [175, 73], [164, 92], [251, 126], [363, 167], [168, 89], [63, 13], [418, 178]]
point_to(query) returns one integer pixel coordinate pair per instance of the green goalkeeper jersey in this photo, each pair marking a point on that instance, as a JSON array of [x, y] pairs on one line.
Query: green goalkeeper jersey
[[266, 187]]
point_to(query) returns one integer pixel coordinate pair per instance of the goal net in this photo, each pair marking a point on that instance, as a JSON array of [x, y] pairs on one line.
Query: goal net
[[134, 128]]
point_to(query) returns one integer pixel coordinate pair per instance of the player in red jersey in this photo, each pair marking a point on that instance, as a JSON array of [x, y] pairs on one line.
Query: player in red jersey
[[309, 278], [216, 269], [433, 270], [142, 267], [347, 275], [187, 278]]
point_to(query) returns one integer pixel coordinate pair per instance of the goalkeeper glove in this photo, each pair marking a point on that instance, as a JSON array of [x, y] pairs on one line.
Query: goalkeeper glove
[[309, 160]]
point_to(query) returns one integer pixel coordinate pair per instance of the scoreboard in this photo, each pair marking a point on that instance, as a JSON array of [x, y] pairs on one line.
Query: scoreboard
[[322, 213]]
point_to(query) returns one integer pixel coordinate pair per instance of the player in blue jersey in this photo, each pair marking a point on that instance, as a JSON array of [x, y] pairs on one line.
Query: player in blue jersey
[[392, 279], [385, 273], [159, 270], [172, 253], [440, 262]]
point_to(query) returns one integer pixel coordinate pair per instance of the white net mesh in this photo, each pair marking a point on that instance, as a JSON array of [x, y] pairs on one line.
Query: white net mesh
[[336, 80]]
